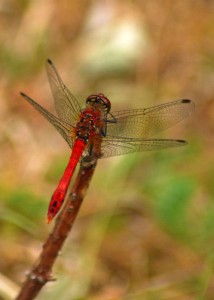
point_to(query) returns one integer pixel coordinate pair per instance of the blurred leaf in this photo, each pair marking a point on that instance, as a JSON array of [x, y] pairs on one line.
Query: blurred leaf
[[20, 221], [171, 203], [25, 203]]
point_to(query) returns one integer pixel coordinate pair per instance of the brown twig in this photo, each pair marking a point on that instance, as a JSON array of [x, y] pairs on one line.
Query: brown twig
[[41, 273]]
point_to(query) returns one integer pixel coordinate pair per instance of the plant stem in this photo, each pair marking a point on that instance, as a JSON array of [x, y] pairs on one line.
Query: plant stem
[[41, 272]]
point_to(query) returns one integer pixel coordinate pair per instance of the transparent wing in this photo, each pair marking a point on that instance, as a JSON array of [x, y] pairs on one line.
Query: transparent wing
[[62, 127], [138, 123], [114, 146], [66, 105]]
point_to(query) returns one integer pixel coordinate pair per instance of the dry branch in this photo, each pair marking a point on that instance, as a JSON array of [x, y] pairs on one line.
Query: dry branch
[[41, 272]]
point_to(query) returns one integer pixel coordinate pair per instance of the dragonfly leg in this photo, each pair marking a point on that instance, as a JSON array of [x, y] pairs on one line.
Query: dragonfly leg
[[114, 120]]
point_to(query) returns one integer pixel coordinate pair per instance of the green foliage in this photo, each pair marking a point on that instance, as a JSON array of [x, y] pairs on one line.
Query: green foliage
[[172, 204], [21, 206]]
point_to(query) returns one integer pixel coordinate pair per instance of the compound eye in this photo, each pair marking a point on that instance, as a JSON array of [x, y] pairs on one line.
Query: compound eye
[[91, 99], [106, 104], [99, 98]]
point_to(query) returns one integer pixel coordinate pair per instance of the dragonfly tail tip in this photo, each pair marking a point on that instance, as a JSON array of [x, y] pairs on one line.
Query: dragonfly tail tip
[[49, 219]]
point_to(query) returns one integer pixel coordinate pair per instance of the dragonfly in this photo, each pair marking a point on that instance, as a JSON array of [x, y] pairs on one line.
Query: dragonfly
[[94, 132]]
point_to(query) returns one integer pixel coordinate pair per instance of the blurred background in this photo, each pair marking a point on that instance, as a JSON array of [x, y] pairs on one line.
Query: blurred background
[[146, 226]]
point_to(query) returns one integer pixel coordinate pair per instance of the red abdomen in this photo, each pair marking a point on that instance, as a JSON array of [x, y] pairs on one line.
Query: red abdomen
[[60, 193]]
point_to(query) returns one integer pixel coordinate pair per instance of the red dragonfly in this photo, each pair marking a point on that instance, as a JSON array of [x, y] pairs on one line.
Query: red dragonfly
[[94, 132]]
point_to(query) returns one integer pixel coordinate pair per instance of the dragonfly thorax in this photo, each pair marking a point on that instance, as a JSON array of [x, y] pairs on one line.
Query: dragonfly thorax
[[99, 99], [88, 125]]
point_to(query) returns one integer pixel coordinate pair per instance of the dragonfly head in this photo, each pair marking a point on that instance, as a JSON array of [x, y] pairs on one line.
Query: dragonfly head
[[99, 99]]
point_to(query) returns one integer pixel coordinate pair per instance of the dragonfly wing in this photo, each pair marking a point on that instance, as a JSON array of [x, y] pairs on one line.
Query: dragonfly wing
[[63, 128], [138, 123], [113, 146], [66, 105]]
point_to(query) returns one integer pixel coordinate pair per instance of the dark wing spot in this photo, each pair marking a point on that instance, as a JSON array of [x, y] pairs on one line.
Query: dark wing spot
[[186, 101], [182, 141]]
